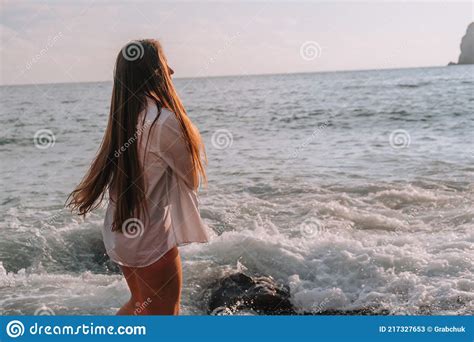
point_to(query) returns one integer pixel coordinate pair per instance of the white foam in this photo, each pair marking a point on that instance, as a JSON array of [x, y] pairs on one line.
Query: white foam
[[336, 251], [86, 293], [352, 269]]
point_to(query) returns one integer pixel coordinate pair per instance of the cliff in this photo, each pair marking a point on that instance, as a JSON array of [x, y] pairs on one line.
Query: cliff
[[467, 47]]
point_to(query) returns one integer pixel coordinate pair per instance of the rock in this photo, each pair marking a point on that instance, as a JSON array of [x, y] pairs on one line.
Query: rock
[[239, 294], [467, 47]]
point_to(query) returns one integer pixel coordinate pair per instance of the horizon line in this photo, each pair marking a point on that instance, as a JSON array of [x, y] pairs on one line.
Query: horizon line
[[243, 75]]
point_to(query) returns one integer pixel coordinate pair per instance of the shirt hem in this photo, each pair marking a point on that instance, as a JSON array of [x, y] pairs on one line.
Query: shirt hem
[[178, 244]]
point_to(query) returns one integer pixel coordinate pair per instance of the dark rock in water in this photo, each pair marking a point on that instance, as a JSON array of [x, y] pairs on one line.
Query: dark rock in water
[[467, 47], [239, 293]]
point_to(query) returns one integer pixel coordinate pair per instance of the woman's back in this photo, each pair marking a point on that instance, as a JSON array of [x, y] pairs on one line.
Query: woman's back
[[150, 161], [172, 217]]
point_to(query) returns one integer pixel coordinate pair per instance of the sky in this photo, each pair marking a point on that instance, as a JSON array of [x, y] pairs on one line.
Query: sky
[[53, 41]]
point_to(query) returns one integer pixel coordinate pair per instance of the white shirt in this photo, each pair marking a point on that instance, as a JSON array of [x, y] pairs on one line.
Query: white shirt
[[174, 217]]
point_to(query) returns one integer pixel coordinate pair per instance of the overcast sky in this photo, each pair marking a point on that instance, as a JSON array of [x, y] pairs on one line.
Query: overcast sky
[[78, 40]]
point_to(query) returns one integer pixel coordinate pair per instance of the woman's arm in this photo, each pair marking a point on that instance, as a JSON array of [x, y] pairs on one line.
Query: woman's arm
[[174, 151]]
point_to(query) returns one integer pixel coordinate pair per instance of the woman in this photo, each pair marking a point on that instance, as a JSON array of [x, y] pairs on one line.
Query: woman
[[151, 161]]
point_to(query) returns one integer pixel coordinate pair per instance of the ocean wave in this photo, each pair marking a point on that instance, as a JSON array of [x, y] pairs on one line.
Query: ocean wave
[[348, 270], [397, 198], [351, 250], [413, 85], [23, 292], [362, 219], [350, 223]]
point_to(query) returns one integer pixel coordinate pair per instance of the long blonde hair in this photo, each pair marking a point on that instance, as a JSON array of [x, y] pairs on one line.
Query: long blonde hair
[[141, 71]]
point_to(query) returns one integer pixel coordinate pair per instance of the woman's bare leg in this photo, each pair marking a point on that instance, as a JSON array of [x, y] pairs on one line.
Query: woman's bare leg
[[155, 289], [127, 308]]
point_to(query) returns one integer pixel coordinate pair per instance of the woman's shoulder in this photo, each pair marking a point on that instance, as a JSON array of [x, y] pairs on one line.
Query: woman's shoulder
[[168, 120], [160, 120], [153, 112], [167, 116]]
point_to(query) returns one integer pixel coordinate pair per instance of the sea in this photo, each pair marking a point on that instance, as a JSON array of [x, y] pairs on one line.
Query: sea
[[354, 189]]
